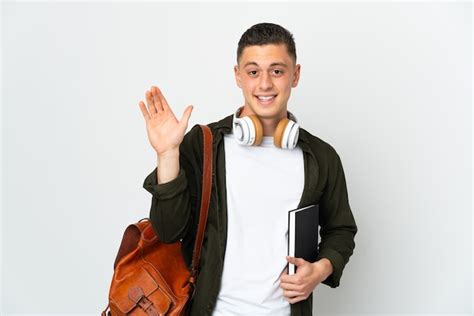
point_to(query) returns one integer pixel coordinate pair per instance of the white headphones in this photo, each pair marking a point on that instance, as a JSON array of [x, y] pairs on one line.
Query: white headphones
[[248, 130]]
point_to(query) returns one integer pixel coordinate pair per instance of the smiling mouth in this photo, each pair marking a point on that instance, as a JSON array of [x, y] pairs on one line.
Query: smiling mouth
[[265, 99]]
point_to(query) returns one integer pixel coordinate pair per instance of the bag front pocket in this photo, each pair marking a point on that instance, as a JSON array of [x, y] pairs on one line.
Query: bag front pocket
[[140, 289]]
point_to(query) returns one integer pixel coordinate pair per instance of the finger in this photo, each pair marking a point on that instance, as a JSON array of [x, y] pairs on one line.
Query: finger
[[289, 286], [185, 118], [292, 294], [150, 103], [287, 278], [163, 101], [295, 299], [157, 99], [145, 113], [293, 279]]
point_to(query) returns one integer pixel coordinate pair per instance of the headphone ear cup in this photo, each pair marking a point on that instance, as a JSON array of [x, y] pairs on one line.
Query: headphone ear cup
[[258, 130], [291, 134], [279, 131]]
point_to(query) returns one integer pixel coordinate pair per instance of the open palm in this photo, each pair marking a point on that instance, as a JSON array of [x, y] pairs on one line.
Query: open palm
[[165, 132]]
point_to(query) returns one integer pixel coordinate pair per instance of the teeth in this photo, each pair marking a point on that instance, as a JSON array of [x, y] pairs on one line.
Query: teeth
[[266, 98]]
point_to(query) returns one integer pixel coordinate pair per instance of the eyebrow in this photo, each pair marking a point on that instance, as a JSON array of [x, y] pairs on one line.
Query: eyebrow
[[271, 65]]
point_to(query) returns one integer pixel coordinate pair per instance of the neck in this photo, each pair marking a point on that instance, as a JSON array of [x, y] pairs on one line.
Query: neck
[[269, 124]]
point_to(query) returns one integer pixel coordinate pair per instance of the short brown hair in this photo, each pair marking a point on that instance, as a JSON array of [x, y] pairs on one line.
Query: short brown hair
[[267, 33]]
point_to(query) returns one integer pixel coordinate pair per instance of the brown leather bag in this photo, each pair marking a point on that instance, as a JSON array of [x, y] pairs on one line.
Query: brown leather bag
[[151, 277]]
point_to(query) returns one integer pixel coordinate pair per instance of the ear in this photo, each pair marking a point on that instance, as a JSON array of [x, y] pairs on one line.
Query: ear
[[296, 75], [237, 75]]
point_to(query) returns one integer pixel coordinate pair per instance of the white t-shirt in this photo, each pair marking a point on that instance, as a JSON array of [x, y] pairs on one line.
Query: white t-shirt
[[263, 183]]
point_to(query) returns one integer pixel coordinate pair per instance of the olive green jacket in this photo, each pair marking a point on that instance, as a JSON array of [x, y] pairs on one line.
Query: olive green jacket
[[175, 205]]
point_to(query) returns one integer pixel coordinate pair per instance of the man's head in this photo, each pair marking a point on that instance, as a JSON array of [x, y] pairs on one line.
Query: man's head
[[266, 69]]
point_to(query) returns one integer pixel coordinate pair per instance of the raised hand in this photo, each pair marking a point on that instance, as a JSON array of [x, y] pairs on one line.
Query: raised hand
[[165, 132]]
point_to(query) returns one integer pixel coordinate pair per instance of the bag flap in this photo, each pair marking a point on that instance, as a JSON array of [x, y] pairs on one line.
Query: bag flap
[[140, 278]]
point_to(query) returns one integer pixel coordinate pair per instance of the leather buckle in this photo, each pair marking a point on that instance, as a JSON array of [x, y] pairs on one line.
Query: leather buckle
[[136, 295], [144, 303]]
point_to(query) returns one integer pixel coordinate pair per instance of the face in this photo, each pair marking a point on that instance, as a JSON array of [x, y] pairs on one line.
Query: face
[[266, 74]]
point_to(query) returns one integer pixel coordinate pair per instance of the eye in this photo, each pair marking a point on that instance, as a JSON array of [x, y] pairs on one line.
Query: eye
[[252, 72], [278, 71]]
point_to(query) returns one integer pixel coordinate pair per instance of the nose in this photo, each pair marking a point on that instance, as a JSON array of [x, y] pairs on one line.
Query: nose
[[265, 81]]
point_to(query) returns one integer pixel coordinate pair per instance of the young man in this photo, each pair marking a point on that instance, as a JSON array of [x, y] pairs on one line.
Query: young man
[[265, 165]]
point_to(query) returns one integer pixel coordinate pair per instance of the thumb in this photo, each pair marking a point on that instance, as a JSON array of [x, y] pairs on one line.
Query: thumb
[[185, 118], [295, 261]]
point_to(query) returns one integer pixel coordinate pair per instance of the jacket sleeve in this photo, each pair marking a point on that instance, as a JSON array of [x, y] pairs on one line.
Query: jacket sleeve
[[338, 227], [171, 203]]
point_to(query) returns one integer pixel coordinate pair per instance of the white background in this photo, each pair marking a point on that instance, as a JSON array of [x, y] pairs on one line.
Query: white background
[[388, 85]]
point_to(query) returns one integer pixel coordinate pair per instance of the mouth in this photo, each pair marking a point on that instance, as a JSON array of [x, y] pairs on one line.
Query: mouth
[[265, 99]]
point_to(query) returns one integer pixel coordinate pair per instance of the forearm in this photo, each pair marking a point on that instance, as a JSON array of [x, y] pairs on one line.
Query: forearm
[[168, 166], [173, 195], [170, 206]]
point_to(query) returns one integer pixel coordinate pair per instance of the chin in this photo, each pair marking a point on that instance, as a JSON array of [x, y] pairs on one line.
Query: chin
[[268, 113]]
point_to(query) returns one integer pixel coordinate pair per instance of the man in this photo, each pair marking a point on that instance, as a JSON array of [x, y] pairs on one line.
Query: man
[[265, 165]]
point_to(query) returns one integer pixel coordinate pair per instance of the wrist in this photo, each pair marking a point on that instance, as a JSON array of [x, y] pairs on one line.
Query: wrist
[[169, 154], [326, 266]]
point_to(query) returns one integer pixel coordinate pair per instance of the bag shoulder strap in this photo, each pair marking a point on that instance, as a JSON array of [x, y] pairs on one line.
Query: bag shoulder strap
[[205, 200]]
